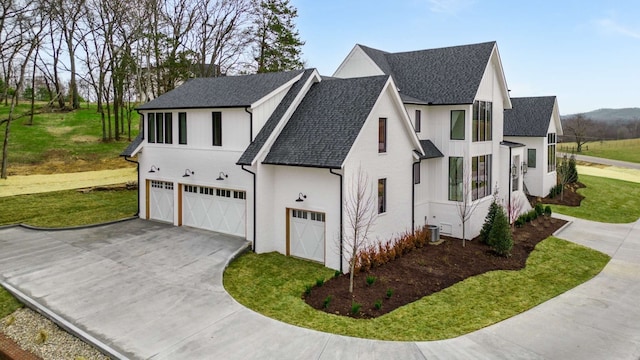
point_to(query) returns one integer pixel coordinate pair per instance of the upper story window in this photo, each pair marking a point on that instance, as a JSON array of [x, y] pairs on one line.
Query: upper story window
[[182, 128], [151, 127], [382, 135], [217, 128], [159, 128], [457, 124], [482, 121], [418, 121], [168, 128], [551, 152], [382, 196]]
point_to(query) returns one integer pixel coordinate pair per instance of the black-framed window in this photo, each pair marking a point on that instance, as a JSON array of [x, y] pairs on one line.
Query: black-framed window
[[216, 117], [182, 128], [457, 124], [168, 128], [382, 135], [418, 120], [382, 196], [159, 128], [531, 158], [151, 128], [455, 178], [482, 121], [416, 173], [551, 152], [480, 176]]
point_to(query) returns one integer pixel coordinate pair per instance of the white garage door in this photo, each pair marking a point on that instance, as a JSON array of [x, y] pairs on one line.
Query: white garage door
[[160, 201], [221, 210], [306, 235]]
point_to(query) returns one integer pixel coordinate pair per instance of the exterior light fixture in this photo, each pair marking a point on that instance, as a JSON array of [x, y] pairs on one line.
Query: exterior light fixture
[[222, 176], [154, 169], [188, 173], [301, 197]]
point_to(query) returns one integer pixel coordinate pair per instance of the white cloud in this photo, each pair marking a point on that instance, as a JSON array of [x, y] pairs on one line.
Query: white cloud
[[449, 6], [612, 26]]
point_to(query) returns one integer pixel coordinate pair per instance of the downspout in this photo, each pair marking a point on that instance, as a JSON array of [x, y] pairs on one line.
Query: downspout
[[341, 218], [510, 175], [138, 170], [413, 195], [246, 109], [255, 196]]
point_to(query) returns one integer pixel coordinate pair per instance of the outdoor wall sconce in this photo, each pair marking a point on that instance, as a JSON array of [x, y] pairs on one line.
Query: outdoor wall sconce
[[514, 171], [222, 176], [188, 173], [154, 169], [301, 197]]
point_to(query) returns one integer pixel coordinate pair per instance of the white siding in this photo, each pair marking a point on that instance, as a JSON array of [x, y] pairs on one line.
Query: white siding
[[357, 64], [263, 111]]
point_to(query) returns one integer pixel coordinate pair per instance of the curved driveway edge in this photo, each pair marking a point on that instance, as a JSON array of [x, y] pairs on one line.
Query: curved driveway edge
[[153, 291]]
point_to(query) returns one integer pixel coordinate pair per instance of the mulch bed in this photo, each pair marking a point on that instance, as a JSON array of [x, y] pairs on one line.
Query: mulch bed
[[429, 269]]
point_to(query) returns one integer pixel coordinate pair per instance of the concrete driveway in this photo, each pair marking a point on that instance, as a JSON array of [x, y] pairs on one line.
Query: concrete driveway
[[151, 291]]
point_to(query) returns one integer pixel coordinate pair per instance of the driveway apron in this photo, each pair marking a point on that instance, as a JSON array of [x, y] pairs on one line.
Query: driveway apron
[[152, 291]]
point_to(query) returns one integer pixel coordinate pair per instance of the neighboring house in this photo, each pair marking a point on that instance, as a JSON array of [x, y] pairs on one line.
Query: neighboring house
[[273, 157], [535, 122]]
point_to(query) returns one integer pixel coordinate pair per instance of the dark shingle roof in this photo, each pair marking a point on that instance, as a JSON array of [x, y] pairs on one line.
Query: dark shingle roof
[[441, 76], [430, 150], [323, 128], [131, 148], [511, 144], [225, 91], [255, 146], [529, 116]]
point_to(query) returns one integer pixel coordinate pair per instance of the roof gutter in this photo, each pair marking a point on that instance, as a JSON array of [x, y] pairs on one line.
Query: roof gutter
[[341, 218], [246, 109], [255, 196]]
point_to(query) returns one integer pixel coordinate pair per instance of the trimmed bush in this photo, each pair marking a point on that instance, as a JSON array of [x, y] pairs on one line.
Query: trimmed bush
[[547, 211], [539, 209], [355, 308], [488, 221], [500, 236]]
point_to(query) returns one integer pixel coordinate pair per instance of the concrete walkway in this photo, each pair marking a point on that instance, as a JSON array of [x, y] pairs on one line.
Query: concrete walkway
[[150, 291]]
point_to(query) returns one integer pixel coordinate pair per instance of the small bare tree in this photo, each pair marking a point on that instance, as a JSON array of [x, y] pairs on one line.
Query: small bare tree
[[579, 128], [361, 213], [466, 205], [567, 173]]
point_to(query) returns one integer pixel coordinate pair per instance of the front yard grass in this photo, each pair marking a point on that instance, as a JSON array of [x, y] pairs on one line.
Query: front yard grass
[[606, 200], [68, 208], [272, 284], [624, 150]]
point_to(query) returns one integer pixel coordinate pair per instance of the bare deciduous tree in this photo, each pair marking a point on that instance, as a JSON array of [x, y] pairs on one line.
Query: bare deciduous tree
[[578, 127], [360, 215]]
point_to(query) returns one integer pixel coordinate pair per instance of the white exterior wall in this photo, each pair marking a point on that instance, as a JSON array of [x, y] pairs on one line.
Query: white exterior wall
[[264, 109], [357, 64], [537, 180]]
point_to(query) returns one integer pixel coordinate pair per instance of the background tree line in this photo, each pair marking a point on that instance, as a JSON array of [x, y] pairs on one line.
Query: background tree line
[[117, 53], [583, 130]]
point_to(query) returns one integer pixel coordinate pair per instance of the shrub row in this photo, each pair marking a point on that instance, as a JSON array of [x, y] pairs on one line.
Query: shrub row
[[555, 191], [381, 253], [533, 214]]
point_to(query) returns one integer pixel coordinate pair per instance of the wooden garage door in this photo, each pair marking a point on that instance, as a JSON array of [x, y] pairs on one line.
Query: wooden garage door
[[222, 210], [160, 200], [307, 234]]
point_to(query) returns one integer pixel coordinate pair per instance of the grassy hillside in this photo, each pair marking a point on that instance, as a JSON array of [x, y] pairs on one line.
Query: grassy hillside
[[624, 150], [611, 114], [62, 141]]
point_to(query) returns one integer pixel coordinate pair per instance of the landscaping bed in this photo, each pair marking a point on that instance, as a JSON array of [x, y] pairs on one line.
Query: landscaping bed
[[424, 271], [569, 198]]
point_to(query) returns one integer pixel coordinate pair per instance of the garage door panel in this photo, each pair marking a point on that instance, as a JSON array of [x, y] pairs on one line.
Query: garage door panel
[[307, 235], [220, 210], [161, 201]]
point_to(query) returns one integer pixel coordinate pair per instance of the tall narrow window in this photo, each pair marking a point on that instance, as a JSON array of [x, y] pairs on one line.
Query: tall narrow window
[[416, 173], [457, 124], [455, 178], [382, 196], [551, 152], [482, 121], [217, 128], [168, 128], [531, 158], [151, 128], [159, 128], [418, 121], [382, 135], [480, 176], [515, 176], [182, 128], [489, 122]]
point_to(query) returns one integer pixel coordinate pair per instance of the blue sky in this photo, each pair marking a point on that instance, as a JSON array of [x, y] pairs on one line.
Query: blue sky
[[585, 52]]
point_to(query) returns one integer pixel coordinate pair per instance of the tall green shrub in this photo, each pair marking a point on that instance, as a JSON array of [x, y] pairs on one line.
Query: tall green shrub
[[500, 235], [488, 221]]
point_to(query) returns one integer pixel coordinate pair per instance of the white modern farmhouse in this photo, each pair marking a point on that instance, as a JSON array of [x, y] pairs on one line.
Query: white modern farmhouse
[[272, 157]]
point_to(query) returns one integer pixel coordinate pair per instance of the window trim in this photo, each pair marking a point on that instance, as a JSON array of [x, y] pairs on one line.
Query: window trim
[[168, 128], [382, 196], [382, 135], [151, 128], [477, 176], [482, 121], [452, 126], [459, 179], [159, 128], [182, 128], [216, 128], [532, 164]]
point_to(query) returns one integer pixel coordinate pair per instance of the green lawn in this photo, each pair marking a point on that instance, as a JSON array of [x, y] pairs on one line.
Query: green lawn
[[71, 136], [68, 208], [272, 284], [606, 200], [625, 150]]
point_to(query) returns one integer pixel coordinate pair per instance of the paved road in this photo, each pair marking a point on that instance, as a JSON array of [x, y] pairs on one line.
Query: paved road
[[151, 291], [603, 161]]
